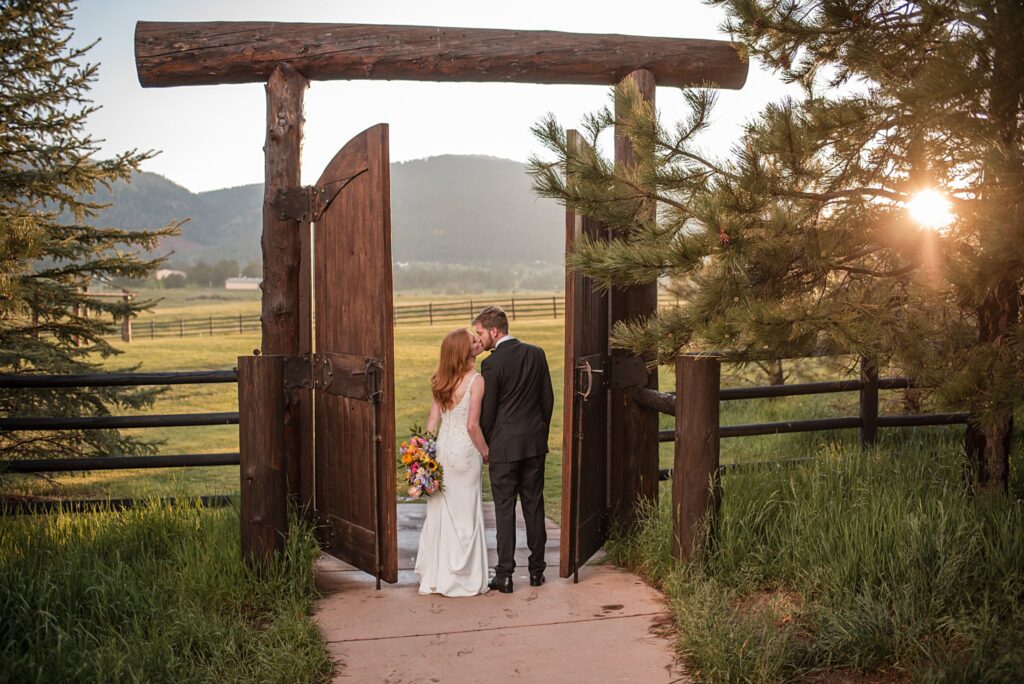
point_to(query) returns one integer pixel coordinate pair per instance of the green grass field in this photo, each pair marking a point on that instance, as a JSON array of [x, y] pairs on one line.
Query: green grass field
[[416, 349], [153, 594], [856, 566]]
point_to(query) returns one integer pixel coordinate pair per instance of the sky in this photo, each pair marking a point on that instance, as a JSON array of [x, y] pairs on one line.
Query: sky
[[212, 137]]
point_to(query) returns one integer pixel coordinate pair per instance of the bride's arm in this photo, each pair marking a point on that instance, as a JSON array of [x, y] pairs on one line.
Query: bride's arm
[[476, 398], [435, 416]]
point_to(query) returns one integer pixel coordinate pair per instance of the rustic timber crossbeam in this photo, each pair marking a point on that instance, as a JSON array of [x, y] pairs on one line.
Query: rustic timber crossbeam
[[206, 53]]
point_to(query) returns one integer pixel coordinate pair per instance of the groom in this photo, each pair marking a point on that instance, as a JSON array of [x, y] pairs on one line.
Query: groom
[[515, 418]]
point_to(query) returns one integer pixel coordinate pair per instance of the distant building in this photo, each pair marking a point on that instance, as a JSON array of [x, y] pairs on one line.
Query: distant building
[[243, 283], [167, 272]]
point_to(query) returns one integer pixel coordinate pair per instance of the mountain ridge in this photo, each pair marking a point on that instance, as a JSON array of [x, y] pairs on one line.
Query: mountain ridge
[[449, 209]]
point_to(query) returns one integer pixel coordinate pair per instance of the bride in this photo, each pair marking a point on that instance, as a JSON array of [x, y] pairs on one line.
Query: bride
[[452, 557]]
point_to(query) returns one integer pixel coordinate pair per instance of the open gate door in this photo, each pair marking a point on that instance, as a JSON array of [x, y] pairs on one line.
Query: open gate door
[[353, 360], [585, 434]]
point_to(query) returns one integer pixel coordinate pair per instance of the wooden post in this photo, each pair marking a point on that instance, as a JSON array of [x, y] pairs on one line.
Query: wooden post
[[126, 328], [181, 327], [868, 403], [282, 247], [239, 324], [430, 312], [513, 308], [696, 486], [261, 410], [210, 326], [554, 307], [633, 434], [152, 330]]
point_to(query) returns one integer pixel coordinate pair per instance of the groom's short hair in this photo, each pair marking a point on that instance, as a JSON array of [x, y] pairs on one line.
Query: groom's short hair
[[493, 317]]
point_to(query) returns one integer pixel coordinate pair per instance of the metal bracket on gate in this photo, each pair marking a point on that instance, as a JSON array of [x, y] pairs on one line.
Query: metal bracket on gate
[[628, 372], [307, 204], [297, 372], [344, 375]]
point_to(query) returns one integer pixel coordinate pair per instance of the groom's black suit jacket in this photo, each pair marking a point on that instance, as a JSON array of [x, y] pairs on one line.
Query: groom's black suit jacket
[[518, 399]]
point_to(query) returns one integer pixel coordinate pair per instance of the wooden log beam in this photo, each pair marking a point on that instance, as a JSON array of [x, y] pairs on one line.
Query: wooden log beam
[[206, 53]]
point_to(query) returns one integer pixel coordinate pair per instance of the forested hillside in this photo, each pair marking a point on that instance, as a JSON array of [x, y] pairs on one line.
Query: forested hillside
[[468, 210]]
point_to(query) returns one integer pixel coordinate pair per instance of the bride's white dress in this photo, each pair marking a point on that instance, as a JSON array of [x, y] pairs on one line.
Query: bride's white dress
[[452, 558]]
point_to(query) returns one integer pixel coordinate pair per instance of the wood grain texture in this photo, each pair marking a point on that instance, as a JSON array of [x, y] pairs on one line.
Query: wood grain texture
[[280, 317], [585, 420], [354, 439], [696, 484], [633, 434], [264, 504], [204, 53]]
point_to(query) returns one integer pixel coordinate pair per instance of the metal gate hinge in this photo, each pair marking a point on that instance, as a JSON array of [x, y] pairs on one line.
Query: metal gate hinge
[[346, 375], [297, 373], [304, 204], [628, 372], [307, 204]]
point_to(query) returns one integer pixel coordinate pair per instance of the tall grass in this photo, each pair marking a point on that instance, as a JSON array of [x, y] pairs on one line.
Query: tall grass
[[153, 594], [860, 563]]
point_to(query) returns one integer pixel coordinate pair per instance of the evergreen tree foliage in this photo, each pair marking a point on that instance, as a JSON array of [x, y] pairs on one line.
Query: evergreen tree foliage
[[800, 239], [49, 252]]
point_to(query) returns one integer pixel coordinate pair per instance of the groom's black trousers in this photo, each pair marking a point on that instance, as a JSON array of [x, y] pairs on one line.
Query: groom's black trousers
[[525, 479]]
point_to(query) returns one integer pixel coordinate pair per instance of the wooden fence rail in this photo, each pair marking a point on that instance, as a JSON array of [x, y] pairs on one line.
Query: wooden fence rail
[[44, 381], [696, 491]]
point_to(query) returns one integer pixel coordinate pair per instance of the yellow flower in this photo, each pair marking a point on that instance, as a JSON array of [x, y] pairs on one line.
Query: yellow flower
[[406, 459]]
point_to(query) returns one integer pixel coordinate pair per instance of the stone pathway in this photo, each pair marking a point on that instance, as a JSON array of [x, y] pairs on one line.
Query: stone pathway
[[610, 627]]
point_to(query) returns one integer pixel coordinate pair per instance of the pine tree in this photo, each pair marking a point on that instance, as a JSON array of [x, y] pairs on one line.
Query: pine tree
[[49, 252], [800, 239]]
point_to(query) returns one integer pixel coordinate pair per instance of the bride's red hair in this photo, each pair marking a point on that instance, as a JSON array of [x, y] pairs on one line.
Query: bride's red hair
[[452, 367]]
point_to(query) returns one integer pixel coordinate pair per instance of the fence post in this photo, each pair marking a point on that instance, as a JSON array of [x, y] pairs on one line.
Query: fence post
[[554, 307], [430, 312], [181, 327], [239, 324], [126, 329], [211, 326], [261, 409], [472, 315], [696, 484], [868, 402], [513, 308], [152, 331]]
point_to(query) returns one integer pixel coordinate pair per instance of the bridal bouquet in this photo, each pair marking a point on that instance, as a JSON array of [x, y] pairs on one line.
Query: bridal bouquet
[[423, 473]]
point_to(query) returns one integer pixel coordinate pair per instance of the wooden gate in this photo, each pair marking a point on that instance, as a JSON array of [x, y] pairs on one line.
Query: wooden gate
[[585, 487], [352, 367]]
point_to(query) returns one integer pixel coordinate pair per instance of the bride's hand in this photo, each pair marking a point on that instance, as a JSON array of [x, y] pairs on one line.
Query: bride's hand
[[485, 457]]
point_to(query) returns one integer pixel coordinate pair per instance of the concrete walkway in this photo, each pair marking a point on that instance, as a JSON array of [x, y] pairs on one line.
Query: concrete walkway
[[610, 627]]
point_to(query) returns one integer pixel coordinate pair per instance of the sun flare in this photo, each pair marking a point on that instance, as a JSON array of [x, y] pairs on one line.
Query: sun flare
[[931, 209]]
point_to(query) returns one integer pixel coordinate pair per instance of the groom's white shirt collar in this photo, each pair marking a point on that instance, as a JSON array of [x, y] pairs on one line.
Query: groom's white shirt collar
[[506, 338]]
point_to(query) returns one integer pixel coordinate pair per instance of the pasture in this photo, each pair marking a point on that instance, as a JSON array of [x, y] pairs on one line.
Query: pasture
[[856, 565], [416, 348]]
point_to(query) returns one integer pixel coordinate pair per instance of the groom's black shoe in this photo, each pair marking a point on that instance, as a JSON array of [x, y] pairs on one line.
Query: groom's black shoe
[[536, 579], [502, 584]]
